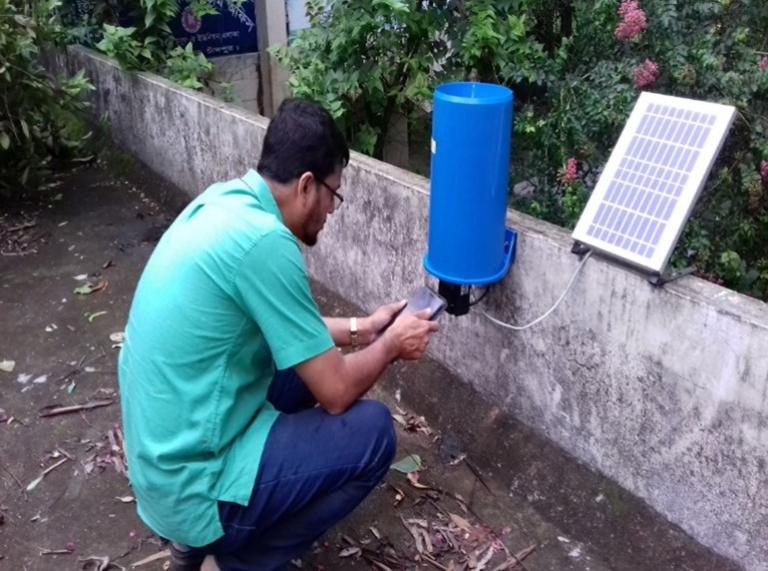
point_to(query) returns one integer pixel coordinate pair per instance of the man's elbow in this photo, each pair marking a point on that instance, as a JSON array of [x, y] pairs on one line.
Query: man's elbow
[[334, 402], [335, 407]]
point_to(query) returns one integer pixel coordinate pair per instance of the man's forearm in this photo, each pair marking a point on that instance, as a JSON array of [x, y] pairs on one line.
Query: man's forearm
[[337, 380], [365, 367]]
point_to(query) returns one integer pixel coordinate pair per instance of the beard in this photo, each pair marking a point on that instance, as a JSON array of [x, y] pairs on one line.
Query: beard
[[312, 229], [310, 239]]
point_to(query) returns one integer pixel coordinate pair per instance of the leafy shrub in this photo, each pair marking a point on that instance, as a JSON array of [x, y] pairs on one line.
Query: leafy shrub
[[188, 68], [39, 118], [365, 60]]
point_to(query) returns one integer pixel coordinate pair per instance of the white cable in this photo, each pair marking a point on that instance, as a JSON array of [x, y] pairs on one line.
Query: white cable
[[550, 310]]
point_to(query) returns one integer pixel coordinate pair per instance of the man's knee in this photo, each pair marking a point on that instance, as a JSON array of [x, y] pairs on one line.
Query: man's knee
[[376, 421]]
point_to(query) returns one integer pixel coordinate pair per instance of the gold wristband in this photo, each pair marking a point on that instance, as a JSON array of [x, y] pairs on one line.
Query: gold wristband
[[354, 336]]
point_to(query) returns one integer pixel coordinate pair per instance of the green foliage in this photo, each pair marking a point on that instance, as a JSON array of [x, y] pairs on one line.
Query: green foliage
[[574, 89], [188, 68], [119, 43], [149, 44], [39, 118], [365, 60]]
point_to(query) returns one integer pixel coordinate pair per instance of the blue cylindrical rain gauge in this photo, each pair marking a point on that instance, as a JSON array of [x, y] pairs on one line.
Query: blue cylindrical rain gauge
[[468, 242]]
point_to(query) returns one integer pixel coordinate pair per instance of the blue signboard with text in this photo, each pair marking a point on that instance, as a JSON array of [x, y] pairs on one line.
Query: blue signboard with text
[[231, 31]]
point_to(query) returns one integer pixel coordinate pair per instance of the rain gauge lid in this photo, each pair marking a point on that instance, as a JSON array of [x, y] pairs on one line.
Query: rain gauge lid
[[472, 92]]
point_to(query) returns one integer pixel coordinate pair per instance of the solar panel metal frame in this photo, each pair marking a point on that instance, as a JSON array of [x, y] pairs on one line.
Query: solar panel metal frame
[[699, 172]]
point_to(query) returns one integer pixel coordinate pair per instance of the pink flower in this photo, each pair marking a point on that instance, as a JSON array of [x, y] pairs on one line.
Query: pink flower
[[633, 20], [645, 74], [764, 171], [570, 171], [763, 63]]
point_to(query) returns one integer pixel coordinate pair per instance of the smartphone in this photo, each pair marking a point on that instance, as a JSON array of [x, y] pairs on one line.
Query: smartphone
[[422, 298], [425, 298]]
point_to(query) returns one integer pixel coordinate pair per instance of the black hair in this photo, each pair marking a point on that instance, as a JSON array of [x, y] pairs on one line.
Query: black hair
[[302, 137]]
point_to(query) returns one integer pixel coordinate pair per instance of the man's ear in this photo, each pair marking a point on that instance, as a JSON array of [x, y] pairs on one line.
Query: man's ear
[[304, 185]]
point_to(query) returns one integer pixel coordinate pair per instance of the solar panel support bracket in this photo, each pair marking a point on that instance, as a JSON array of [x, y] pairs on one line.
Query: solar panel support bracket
[[660, 280], [579, 249]]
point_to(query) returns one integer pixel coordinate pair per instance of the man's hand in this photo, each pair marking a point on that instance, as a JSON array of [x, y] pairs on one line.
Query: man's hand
[[372, 325], [410, 334], [338, 380]]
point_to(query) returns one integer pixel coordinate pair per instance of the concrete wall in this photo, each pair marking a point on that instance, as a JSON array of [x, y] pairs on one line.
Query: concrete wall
[[241, 73], [663, 390]]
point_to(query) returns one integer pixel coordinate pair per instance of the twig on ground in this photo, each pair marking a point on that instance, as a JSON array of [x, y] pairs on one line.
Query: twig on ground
[[56, 551], [477, 474], [516, 559], [79, 368], [102, 563], [58, 410], [438, 508], [432, 561], [12, 475], [21, 227], [31, 486], [26, 253]]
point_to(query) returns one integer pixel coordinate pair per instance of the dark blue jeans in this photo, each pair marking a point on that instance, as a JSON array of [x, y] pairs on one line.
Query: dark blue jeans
[[315, 469]]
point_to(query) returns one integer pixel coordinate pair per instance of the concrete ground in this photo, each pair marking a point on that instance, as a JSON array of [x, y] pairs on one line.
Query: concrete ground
[[495, 495]]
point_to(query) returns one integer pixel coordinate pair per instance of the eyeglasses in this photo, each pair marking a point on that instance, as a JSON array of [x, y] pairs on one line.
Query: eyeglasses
[[339, 200]]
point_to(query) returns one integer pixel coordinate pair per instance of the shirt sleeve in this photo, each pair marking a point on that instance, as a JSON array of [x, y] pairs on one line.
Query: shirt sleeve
[[272, 286]]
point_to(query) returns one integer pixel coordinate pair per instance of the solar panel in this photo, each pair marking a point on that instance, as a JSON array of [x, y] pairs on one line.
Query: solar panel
[[652, 179]]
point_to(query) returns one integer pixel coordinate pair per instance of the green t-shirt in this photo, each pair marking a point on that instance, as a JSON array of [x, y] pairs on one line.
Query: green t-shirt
[[224, 300]]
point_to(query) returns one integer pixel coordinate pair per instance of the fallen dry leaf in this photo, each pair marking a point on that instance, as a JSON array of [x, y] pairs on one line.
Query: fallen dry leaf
[[483, 561], [462, 523], [350, 551], [427, 540], [413, 478], [412, 423]]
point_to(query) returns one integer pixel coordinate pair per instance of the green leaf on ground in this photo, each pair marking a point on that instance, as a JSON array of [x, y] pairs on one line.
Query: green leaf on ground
[[410, 463]]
